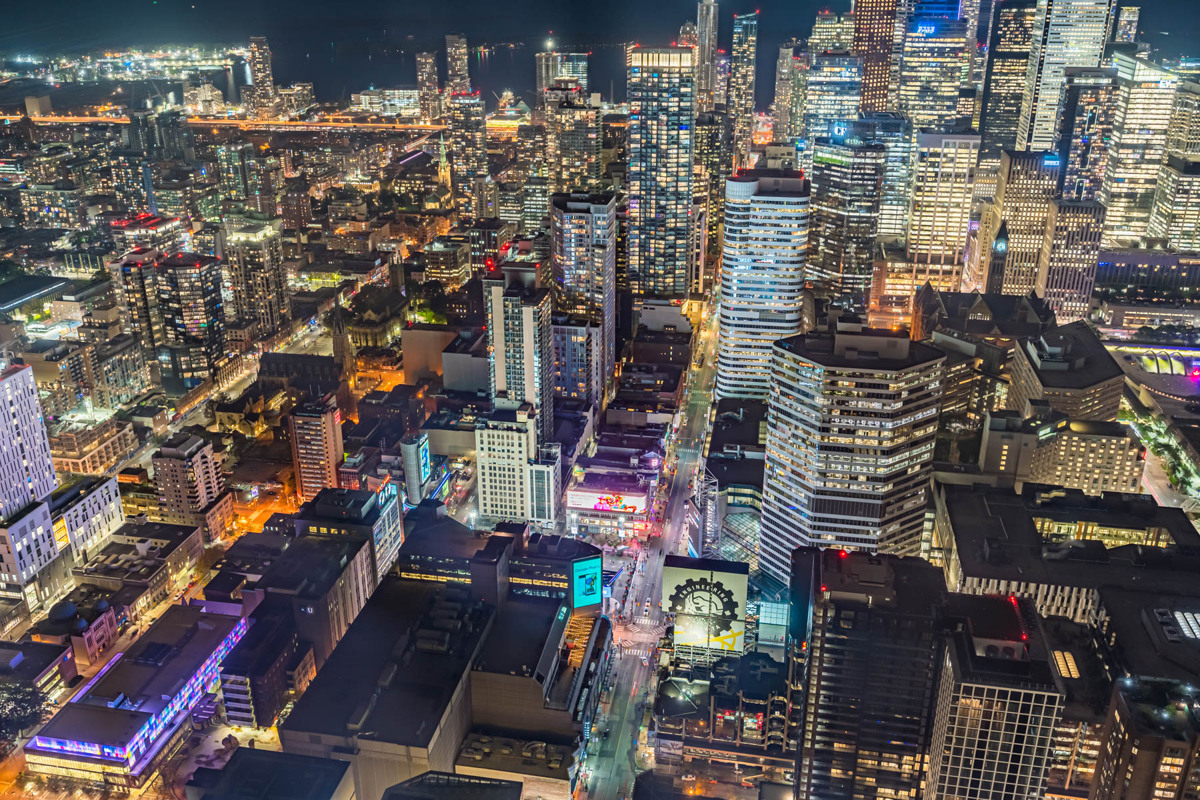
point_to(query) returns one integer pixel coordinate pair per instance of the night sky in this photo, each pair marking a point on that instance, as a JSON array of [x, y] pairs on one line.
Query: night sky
[[347, 45]]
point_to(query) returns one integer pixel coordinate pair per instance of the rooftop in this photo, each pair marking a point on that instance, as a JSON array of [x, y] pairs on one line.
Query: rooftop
[[1071, 357], [265, 775], [866, 348], [451, 786], [536, 759], [434, 631], [311, 566], [998, 535]]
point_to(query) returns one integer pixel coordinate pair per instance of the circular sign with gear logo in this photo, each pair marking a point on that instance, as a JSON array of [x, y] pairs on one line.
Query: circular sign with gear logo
[[707, 599]]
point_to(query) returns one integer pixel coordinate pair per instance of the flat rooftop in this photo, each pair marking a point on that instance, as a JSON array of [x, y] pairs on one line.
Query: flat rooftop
[[536, 759], [311, 565], [265, 775], [996, 536], [872, 349], [1072, 357], [424, 658], [144, 681]]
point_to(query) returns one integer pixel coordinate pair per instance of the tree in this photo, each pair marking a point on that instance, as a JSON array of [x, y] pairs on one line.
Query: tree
[[21, 706]]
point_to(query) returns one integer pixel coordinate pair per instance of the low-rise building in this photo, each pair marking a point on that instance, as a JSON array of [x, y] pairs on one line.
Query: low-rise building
[[49, 667], [121, 726], [92, 449], [84, 620], [252, 774], [374, 516], [1070, 369]]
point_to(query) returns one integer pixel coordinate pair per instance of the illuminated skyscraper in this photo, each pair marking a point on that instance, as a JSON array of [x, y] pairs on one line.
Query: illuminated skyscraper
[[847, 184], [689, 35], [428, 95], [257, 276], [193, 319], [1145, 95], [1176, 215], [661, 116], [940, 210], [1127, 24], [1026, 185], [850, 432], [317, 450], [468, 149], [875, 26], [1003, 84], [933, 69], [1066, 33], [584, 248], [706, 54], [714, 148], [741, 85], [892, 130], [1183, 138], [787, 66], [762, 275], [831, 32], [27, 469], [261, 74], [1067, 263], [458, 75], [520, 335], [833, 91], [1085, 130], [572, 141], [553, 66]]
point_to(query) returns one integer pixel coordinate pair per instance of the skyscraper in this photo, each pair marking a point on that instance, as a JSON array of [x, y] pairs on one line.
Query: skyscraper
[[1026, 185], [191, 489], [706, 54], [832, 91], [714, 147], [869, 672], [997, 702], [584, 249], [263, 95], [850, 432], [762, 275], [1127, 24], [940, 209], [1003, 84], [315, 428], [136, 287], [572, 140], [875, 26], [741, 85], [1085, 131], [1176, 215], [1070, 251], [894, 131], [847, 185], [193, 319], [831, 32], [521, 356], [933, 67], [662, 112], [26, 468], [257, 276], [428, 94], [458, 76], [1145, 95], [1066, 33], [468, 149], [553, 66], [786, 67]]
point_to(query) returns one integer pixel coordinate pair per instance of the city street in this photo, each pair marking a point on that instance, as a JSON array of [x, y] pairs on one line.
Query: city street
[[613, 762]]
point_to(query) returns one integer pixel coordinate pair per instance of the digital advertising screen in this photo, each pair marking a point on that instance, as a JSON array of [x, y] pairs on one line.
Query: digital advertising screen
[[708, 599], [618, 502], [585, 582], [426, 465]]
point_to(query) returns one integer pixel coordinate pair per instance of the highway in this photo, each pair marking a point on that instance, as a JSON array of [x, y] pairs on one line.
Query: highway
[[613, 762], [229, 122]]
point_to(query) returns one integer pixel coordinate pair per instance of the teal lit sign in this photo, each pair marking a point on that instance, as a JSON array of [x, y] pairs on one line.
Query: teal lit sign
[[586, 582]]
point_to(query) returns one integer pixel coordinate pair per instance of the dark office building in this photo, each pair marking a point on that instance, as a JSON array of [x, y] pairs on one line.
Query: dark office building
[[869, 671]]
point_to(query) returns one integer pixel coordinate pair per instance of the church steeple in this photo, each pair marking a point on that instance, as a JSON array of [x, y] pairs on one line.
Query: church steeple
[[443, 173]]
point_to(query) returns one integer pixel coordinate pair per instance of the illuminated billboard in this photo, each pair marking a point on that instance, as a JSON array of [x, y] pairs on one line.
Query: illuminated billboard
[[708, 598], [423, 456], [585, 582], [618, 502]]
